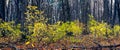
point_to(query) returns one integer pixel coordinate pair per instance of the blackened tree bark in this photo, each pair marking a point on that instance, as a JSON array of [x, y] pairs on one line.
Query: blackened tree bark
[[65, 11], [85, 9], [106, 12], [116, 11], [2, 9], [111, 12]]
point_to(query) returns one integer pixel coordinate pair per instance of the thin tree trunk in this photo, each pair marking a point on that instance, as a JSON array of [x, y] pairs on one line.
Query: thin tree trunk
[[2, 9]]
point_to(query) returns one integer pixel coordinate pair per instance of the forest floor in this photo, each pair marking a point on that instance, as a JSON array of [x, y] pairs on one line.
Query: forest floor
[[87, 42]]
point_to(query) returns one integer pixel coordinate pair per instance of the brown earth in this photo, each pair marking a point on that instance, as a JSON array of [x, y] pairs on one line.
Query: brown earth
[[87, 42]]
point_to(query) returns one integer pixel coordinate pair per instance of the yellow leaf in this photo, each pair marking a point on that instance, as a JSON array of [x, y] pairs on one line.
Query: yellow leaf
[[27, 43], [33, 45]]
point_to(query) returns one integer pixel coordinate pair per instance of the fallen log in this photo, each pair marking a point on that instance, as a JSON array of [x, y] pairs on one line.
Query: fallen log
[[99, 46], [12, 46]]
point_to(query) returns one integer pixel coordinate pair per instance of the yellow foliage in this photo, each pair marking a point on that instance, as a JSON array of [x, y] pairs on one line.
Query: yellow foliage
[[99, 28], [33, 45], [116, 30], [75, 28], [39, 30], [33, 15], [27, 43], [74, 40], [9, 29], [32, 7]]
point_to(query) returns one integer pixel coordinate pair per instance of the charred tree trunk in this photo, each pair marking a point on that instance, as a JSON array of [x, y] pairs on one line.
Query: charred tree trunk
[[116, 12], [2, 9], [118, 9], [106, 11], [65, 11], [85, 9]]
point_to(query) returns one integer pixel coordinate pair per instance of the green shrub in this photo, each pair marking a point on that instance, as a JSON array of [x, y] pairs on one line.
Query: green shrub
[[40, 31], [10, 30], [116, 30], [69, 29], [99, 29], [75, 27], [33, 15], [35, 24]]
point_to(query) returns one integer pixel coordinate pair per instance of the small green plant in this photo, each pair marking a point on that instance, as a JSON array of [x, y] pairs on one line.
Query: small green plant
[[99, 28], [33, 15], [10, 30], [75, 27], [35, 24], [116, 30], [69, 30]]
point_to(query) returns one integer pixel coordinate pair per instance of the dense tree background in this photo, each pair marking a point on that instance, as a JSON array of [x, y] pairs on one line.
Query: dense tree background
[[62, 21], [65, 10]]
